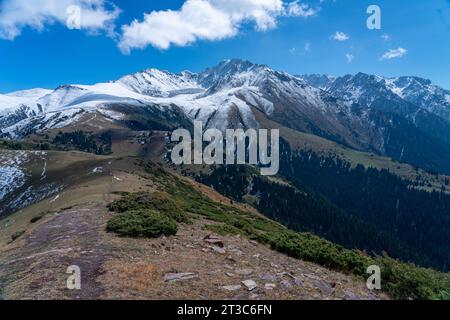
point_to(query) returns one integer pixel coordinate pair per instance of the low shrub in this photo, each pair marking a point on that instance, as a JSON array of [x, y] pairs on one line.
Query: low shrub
[[142, 223], [223, 229], [406, 281], [17, 235], [157, 201]]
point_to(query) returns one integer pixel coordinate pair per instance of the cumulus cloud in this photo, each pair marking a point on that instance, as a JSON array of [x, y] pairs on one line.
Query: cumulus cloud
[[89, 15], [340, 36], [394, 53], [205, 20], [297, 9]]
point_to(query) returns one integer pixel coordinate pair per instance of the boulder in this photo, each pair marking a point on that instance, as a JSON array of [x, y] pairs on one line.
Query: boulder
[[169, 277], [213, 241], [270, 286], [219, 250], [250, 285], [232, 288]]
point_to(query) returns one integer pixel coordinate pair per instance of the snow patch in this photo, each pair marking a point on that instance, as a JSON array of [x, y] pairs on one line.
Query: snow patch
[[447, 98], [98, 170], [12, 176]]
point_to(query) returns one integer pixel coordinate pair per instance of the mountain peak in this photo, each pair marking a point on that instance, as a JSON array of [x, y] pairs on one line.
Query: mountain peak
[[236, 62], [229, 66]]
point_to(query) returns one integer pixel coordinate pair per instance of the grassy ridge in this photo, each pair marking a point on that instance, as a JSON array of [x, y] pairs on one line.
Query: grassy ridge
[[180, 202]]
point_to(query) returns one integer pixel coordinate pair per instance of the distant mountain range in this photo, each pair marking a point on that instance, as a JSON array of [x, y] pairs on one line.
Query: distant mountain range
[[347, 146], [406, 118]]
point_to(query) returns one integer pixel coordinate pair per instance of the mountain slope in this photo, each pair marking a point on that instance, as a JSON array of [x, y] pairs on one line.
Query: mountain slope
[[71, 230], [403, 118], [410, 113], [213, 253], [221, 97]]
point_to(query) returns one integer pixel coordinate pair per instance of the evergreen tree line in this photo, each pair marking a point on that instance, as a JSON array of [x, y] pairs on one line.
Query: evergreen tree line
[[82, 141], [368, 209]]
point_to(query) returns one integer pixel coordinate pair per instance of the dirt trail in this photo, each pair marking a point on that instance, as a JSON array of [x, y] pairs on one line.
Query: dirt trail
[[37, 270], [124, 268]]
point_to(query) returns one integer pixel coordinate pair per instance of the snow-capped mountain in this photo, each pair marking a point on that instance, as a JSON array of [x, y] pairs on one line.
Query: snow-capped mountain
[[411, 113], [365, 112], [20, 105], [156, 83], [221, 97], [404, 95], [423, 93]]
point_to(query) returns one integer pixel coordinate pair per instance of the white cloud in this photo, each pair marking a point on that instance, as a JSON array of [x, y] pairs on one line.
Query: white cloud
[[385, 37], [307, 47], [394, 53], [205, 20], [349, 57], [340, 36], [94, 15], [297, 9]]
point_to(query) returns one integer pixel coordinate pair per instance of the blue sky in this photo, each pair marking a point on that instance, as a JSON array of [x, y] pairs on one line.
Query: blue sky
[[46, 53]]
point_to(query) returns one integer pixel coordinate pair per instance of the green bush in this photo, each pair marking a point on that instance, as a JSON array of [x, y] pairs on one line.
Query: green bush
[[406, 281], [157, 201], [142, 223], [223, 229]]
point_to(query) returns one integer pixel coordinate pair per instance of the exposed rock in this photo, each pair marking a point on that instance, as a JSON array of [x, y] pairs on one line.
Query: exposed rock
[[286, 283], [179, 276], [348, 295], [231, 259], [214, 241], [218, 250], [232, 288], [312, 276], [270, 286], [243, 272], [285, 274], [250, 284], [324, 287], [268, 277], [237, 252], [298, 282]]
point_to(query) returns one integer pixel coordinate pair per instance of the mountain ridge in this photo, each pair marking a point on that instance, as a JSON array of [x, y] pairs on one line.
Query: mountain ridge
[[363, 112]]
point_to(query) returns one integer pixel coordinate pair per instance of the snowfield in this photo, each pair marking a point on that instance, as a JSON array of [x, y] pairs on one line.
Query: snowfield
[[17, 189], [12, 176]]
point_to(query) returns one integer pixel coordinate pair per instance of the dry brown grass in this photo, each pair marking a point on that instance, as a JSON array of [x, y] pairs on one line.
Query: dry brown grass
[[138, 277]]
